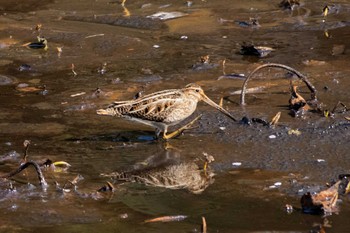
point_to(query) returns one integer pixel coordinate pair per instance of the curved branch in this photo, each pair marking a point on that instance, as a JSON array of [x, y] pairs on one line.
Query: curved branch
[[23, 166], [276, 65]]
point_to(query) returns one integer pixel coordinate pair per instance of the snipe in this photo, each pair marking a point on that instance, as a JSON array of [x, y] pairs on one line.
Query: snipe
[[163, 109]]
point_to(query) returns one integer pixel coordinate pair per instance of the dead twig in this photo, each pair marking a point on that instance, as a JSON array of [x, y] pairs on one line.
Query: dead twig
[[24, 166], [276, 65], [204, 225]]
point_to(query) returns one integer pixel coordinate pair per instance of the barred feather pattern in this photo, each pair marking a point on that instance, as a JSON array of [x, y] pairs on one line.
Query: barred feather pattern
[[164, 106]]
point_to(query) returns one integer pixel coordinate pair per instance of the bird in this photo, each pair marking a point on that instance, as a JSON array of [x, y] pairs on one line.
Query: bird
[[163, 109]]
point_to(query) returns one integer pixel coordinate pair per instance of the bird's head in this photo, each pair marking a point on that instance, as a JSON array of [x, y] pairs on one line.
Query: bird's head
[[195, 90]]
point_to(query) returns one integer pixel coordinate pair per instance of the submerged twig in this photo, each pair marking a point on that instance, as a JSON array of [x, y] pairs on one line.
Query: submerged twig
[[276, 65], [23, 166]]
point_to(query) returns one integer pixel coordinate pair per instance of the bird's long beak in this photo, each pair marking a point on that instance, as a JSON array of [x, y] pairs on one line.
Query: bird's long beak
[[213, 104]]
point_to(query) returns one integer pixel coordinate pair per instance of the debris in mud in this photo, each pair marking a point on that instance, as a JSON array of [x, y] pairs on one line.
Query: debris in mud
[[275, 185], [38, 27], [204, 225], [289, 4], [252, 23], [314, 62], [204, 64], [289, 208], [73, 70], [294, 132], [252, 50], [338, 108], [325, 11], [103, 69], [324, 202], [78, 94], [276, 65], [24, 67], [41, 44], [297, 103], [251, 90], [95, 35], [59, 51], [108, 187], [24, 87], [175, 218], [275, 120], [162, 15], [344, 186]]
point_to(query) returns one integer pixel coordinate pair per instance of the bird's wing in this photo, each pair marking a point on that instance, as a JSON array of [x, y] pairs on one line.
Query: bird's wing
[[155, 110]]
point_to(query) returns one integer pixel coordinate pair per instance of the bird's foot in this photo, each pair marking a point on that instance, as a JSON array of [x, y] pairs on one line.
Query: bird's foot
[[179, 131]]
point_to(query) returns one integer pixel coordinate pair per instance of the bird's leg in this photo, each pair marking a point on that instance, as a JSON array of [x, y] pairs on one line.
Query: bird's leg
[[179, 131]]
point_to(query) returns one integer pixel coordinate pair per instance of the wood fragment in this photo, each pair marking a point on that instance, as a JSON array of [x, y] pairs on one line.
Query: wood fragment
[[275, 119], [95, 35], [204, 225], [173, 218], [73, 71]]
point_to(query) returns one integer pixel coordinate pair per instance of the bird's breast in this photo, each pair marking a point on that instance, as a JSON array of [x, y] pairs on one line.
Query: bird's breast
[[181, 111]]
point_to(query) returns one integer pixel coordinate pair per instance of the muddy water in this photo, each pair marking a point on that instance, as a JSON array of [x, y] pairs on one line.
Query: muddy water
[[122, 52]]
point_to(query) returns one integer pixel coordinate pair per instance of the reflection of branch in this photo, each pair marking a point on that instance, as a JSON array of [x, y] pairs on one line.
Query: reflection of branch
[[126, 11], [41, 178], [275, 65]]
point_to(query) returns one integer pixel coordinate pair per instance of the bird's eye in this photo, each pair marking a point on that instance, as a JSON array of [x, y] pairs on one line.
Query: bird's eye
[[197, 90]]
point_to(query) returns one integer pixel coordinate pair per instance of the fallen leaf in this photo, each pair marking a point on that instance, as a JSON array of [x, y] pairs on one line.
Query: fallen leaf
[[60, 163]]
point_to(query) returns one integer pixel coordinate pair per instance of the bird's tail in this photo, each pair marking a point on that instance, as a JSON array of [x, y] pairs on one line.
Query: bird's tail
[[106, 112]]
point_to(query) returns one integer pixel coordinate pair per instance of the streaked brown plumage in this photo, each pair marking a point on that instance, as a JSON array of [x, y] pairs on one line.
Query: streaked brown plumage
[[163, 109]]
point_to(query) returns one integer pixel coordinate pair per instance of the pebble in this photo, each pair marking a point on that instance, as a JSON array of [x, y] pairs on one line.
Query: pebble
[[272, 136]]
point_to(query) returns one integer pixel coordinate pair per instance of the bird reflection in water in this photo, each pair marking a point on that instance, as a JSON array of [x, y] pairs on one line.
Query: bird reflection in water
[[166, 170]]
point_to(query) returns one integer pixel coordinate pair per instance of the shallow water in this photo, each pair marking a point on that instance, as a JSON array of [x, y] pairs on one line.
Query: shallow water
[[42, 100]]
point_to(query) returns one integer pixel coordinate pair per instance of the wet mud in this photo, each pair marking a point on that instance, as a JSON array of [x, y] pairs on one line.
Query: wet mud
[[101, 51]]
